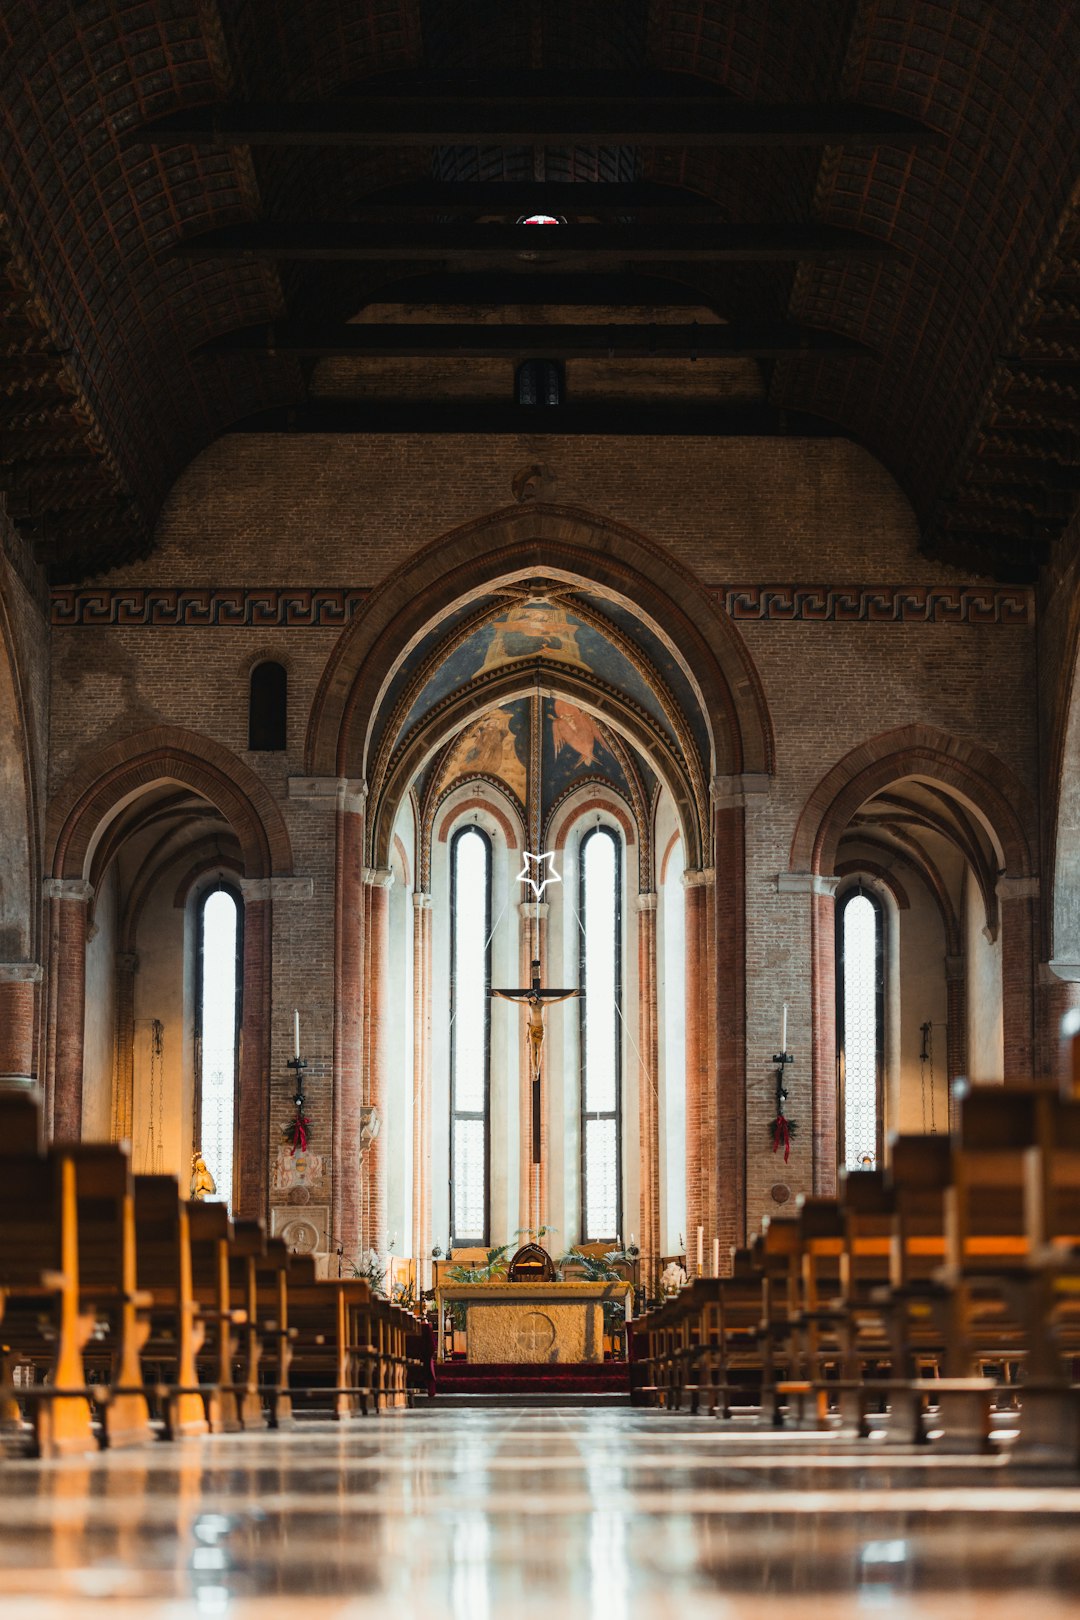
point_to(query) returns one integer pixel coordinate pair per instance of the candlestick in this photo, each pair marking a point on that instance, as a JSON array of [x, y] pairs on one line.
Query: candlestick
[[716, 1257], [783, 1029], [296, 1030]]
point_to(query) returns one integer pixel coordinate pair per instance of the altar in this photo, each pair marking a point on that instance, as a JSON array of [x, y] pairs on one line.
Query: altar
[[532, 1321]]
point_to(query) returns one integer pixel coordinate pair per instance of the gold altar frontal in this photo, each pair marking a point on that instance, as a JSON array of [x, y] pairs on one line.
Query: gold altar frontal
[[542, 1321]]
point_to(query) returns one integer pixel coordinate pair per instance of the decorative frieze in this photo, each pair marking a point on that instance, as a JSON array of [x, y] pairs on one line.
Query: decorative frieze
[[881, 604]]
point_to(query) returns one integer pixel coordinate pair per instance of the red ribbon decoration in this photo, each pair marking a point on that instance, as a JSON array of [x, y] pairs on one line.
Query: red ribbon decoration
[[782, 1133], [300, 1133]]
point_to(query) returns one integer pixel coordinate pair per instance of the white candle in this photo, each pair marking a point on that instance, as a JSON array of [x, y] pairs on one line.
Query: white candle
[[629, 1298], [296, 1030], [716, 1257], [783, 1030], [700, 1247]]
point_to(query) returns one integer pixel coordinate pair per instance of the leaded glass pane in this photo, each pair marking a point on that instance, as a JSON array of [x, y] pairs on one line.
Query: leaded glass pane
[[470, 989], [601, 1015], [601, 1180], [217, 1029], [860, 1033], [469, 1177]]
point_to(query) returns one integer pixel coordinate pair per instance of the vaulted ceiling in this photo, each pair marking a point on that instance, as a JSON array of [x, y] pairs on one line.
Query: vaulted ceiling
[[875, 198]]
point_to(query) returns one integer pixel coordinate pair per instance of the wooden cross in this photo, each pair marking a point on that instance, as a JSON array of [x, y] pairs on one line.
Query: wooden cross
[[536, 999]]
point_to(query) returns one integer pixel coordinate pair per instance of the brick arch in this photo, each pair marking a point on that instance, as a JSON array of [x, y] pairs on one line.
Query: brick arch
[[546, 541], [611, 805], [916, 750], [120, 770]]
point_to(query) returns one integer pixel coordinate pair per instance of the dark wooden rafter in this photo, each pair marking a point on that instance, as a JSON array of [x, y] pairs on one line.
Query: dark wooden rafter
[[310, 340], [700, 117], [510, 200], [630, 420]]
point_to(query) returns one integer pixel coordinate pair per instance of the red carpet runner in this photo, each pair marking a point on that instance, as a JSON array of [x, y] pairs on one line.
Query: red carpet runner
[[533, 1378]]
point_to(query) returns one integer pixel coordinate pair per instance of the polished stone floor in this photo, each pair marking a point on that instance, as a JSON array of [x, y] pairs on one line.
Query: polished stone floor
[[517, 1513]]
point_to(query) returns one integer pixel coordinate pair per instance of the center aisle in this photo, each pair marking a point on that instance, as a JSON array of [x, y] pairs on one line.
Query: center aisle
[[519, 1514]]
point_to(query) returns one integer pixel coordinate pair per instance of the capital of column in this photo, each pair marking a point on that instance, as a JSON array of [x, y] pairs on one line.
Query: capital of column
[[1017, 888], [20, 973], [1067, 972], [740, 788], [807, 883], [421, 900], [955, 968], [379, 877], [646, 901], [329, 792], [529, 908], [699, 877], [277, 888], [67, 889]]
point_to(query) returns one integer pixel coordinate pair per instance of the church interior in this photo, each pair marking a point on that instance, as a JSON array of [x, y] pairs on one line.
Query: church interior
[[539, 806]]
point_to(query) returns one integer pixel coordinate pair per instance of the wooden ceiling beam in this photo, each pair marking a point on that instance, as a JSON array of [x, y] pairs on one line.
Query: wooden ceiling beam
[[311, 340], [522, 246], [495, 417]]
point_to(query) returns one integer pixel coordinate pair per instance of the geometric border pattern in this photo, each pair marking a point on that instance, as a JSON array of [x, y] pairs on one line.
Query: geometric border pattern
[[300, 607]]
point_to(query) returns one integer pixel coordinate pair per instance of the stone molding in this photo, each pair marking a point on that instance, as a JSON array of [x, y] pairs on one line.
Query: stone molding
[[1066, 972], [421, 900], [955, 969], [807, 883], [278, 888], [646, 901], [742, 788], [20, 973], [379, 877], [699, 877], [1017, 888], [18, 1082], [529, 908], [67, 889], [329, 792]]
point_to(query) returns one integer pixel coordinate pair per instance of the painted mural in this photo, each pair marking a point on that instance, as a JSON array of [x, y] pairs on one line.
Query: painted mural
[[532, 628], [574, 746], [495, 745]]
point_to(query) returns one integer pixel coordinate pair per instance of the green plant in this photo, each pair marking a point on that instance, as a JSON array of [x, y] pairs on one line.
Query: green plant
[[370, 1269], [494, 1266], [599, 1268]]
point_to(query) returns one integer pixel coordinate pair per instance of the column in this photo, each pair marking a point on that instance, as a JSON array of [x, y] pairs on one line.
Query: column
[[69, 901], [379, 1009], [822, 1100], [251, 1189], [946, 1112], [1018, 901], [421, 1151], [123, 1099], [700, 1091], [19, 983], [350, 898], [648, 1101], [729, 935]]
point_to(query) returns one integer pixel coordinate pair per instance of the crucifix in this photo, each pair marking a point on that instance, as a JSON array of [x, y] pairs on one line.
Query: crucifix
[[536, 999]]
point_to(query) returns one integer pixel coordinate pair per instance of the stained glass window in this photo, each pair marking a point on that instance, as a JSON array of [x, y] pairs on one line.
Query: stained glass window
[[218, 1022], [601, 1043], [470, 974], [860, 1007]]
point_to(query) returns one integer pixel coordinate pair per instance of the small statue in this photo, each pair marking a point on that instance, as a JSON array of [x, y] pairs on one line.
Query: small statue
[[202, 1182]]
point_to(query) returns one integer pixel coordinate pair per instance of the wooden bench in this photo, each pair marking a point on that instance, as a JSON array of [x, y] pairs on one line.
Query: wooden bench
[[176, 1325]]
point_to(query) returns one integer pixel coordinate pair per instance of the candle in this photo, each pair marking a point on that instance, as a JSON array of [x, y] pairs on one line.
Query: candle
[[700, 1249], [783, 1030], [716, 1257], [629, 1299], [296, 1030]]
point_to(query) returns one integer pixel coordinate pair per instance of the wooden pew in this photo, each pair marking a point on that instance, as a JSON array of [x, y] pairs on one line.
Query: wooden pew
[[273, 1268], [210, 1233], [176, 1324], [246, 1247], [333, 1354], [40, 1315]]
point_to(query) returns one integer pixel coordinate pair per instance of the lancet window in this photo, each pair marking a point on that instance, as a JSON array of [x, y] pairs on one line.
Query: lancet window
[[217, 1034], [470, 1034], [860, 1027], [600, 1012]]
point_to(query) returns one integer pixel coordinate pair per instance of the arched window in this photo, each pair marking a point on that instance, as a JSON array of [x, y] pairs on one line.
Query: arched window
[[470, 1033], [600, 1005], [538, 382], [267, 708], [860, 1022], [217, 1027]]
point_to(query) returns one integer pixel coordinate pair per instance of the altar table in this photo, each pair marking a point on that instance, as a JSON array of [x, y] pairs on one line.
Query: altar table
[[541, 1321]]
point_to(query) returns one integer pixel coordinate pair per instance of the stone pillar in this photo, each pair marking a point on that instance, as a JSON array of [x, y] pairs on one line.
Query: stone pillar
[[700, 1086], [823, 1082], [1059, 995], [250, 1187], [19, 983], [380, 1007], [1018, 900], [350, 898], [648, 1099], [123, 1100], [730, 795], [946, 1112], [421, 1153], [69, 901]]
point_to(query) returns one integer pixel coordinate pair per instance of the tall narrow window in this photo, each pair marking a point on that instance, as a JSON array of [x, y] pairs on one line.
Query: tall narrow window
[[601, 1044], [860, 1024], [470, 1043], [268, 708], [539, 382], [218, 1024]]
